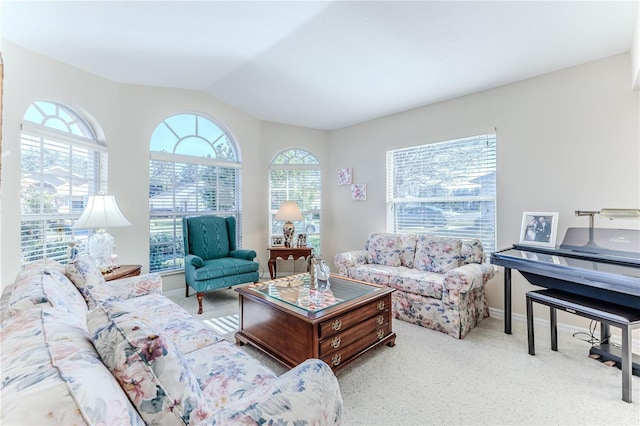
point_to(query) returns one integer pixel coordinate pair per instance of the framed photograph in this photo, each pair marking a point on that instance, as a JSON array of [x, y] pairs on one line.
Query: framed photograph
[[359, 191], [539, 229], [344, 176], [277, 240]]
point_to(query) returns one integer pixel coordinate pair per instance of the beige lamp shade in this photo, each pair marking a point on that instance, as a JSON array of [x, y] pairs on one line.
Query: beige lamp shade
[[288, 211]]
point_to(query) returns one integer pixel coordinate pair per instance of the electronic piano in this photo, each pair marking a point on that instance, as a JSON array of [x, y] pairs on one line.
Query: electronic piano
[[598, 263]]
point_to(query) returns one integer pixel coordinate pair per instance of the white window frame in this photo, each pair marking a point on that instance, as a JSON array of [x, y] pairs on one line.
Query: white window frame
[[177, 182], [446, 188], [62, 163], [294, 162]]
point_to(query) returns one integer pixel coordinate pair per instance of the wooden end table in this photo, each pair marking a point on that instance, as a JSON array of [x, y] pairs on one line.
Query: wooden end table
[[285, 253], [123, 271]]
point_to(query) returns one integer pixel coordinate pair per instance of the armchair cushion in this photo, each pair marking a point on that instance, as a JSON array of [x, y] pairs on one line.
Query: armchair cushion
[[216, 268]]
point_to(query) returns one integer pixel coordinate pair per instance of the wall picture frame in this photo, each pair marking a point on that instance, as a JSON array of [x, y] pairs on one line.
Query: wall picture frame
[[344, 176], [277, 240], [539, 229], [359, 191]]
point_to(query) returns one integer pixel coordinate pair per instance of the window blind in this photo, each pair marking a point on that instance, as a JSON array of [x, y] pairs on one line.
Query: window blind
[[295, 175], [446, 189]]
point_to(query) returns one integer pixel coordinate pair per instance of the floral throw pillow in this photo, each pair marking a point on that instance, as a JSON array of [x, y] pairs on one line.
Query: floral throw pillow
[[471, 252], [437, 254], [384, 249], [86, 276], [146, 363]]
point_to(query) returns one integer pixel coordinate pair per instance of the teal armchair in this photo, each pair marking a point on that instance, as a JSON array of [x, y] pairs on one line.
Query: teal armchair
[[211, 259]]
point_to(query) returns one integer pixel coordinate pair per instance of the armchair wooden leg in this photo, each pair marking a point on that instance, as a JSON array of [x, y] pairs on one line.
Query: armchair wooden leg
[[186, 290], [200, 296]]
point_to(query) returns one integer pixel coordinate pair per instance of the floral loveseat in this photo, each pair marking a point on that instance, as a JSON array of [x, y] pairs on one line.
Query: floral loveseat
[[439, 281], [120, 353]]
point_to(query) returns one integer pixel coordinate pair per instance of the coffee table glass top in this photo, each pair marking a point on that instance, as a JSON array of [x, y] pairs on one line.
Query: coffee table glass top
[[296, 290]]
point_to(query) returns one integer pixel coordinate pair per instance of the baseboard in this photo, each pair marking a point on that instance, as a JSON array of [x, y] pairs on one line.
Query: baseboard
[[171, 293], [568, 328]]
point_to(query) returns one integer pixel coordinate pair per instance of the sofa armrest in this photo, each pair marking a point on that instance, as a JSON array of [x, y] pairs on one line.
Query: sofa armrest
[[244, 254], [349, 259], [192, 259], [467, 277], [306, 394], [141, 285]]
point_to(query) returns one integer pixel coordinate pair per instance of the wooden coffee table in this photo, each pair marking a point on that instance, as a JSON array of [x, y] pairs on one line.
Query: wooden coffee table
[[279, 318]]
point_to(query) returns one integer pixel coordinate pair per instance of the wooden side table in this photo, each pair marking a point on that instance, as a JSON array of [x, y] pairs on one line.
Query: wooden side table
[[285, 253], [123, 271]]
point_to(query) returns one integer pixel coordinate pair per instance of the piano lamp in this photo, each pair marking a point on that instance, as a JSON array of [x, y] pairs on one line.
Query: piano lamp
[[100, 213], [288, 211], [610, 213]]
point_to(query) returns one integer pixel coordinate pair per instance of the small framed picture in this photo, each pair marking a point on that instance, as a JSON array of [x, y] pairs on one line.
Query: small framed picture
[[302, 240], [359, 191], [539, 229], [344, 176], [277, 240]]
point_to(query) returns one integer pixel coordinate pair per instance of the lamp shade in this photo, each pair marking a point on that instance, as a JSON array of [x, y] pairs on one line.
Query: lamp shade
[[101, 211], [289, 211]]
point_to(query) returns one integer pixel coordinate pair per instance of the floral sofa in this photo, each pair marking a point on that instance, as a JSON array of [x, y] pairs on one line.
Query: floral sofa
[[439, 281], [79, 350]]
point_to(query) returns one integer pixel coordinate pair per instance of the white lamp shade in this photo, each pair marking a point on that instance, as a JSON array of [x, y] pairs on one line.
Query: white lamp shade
[[289, 210], [101, 212]]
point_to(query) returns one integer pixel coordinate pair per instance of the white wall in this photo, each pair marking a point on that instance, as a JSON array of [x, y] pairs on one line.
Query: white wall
[[635, 53], [566, 141]]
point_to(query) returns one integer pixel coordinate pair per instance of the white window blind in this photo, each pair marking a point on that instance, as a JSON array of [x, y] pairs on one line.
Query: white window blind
[[295, 175], [61, 165], [192, 171], [446, 188]]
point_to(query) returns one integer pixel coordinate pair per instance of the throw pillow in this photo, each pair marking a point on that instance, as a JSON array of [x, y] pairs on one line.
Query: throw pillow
[[86, 276], [149, 367], [471, 252], [384, 249], [437, 254]]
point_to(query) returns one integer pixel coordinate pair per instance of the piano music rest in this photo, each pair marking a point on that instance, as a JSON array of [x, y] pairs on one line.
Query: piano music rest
[[624, 317]]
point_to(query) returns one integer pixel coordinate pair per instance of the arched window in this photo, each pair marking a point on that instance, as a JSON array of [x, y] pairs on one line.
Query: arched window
[[194, 169], [294, 175], [62, 163]]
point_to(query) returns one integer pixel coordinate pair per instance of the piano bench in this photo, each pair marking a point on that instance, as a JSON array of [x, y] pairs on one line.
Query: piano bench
[[627, 319]]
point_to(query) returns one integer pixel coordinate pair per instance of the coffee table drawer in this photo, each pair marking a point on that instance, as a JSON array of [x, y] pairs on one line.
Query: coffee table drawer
[[342, 355], [343, 322], [340, 340]]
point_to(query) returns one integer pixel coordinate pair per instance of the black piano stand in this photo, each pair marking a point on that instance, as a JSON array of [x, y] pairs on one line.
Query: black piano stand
[[608, 314]]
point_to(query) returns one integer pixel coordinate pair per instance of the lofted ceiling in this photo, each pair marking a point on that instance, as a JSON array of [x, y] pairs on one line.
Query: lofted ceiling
[[324, 64]]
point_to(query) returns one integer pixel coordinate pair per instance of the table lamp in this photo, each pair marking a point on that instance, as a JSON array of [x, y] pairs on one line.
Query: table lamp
[[101, 212], [288, 212]]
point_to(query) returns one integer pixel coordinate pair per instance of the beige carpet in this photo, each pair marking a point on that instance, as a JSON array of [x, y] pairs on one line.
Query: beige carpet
[[487, 378]]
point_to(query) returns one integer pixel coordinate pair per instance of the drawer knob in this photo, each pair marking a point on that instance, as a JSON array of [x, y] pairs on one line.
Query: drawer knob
[[336, 325], [381, 305], [336, 359], [335, 342], [380, 319], [380, 333]]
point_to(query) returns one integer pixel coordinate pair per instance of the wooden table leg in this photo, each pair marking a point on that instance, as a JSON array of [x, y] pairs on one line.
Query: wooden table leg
[[272, 268]]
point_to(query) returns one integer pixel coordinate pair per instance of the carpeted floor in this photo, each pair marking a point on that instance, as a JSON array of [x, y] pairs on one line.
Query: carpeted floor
[[487, 378]]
